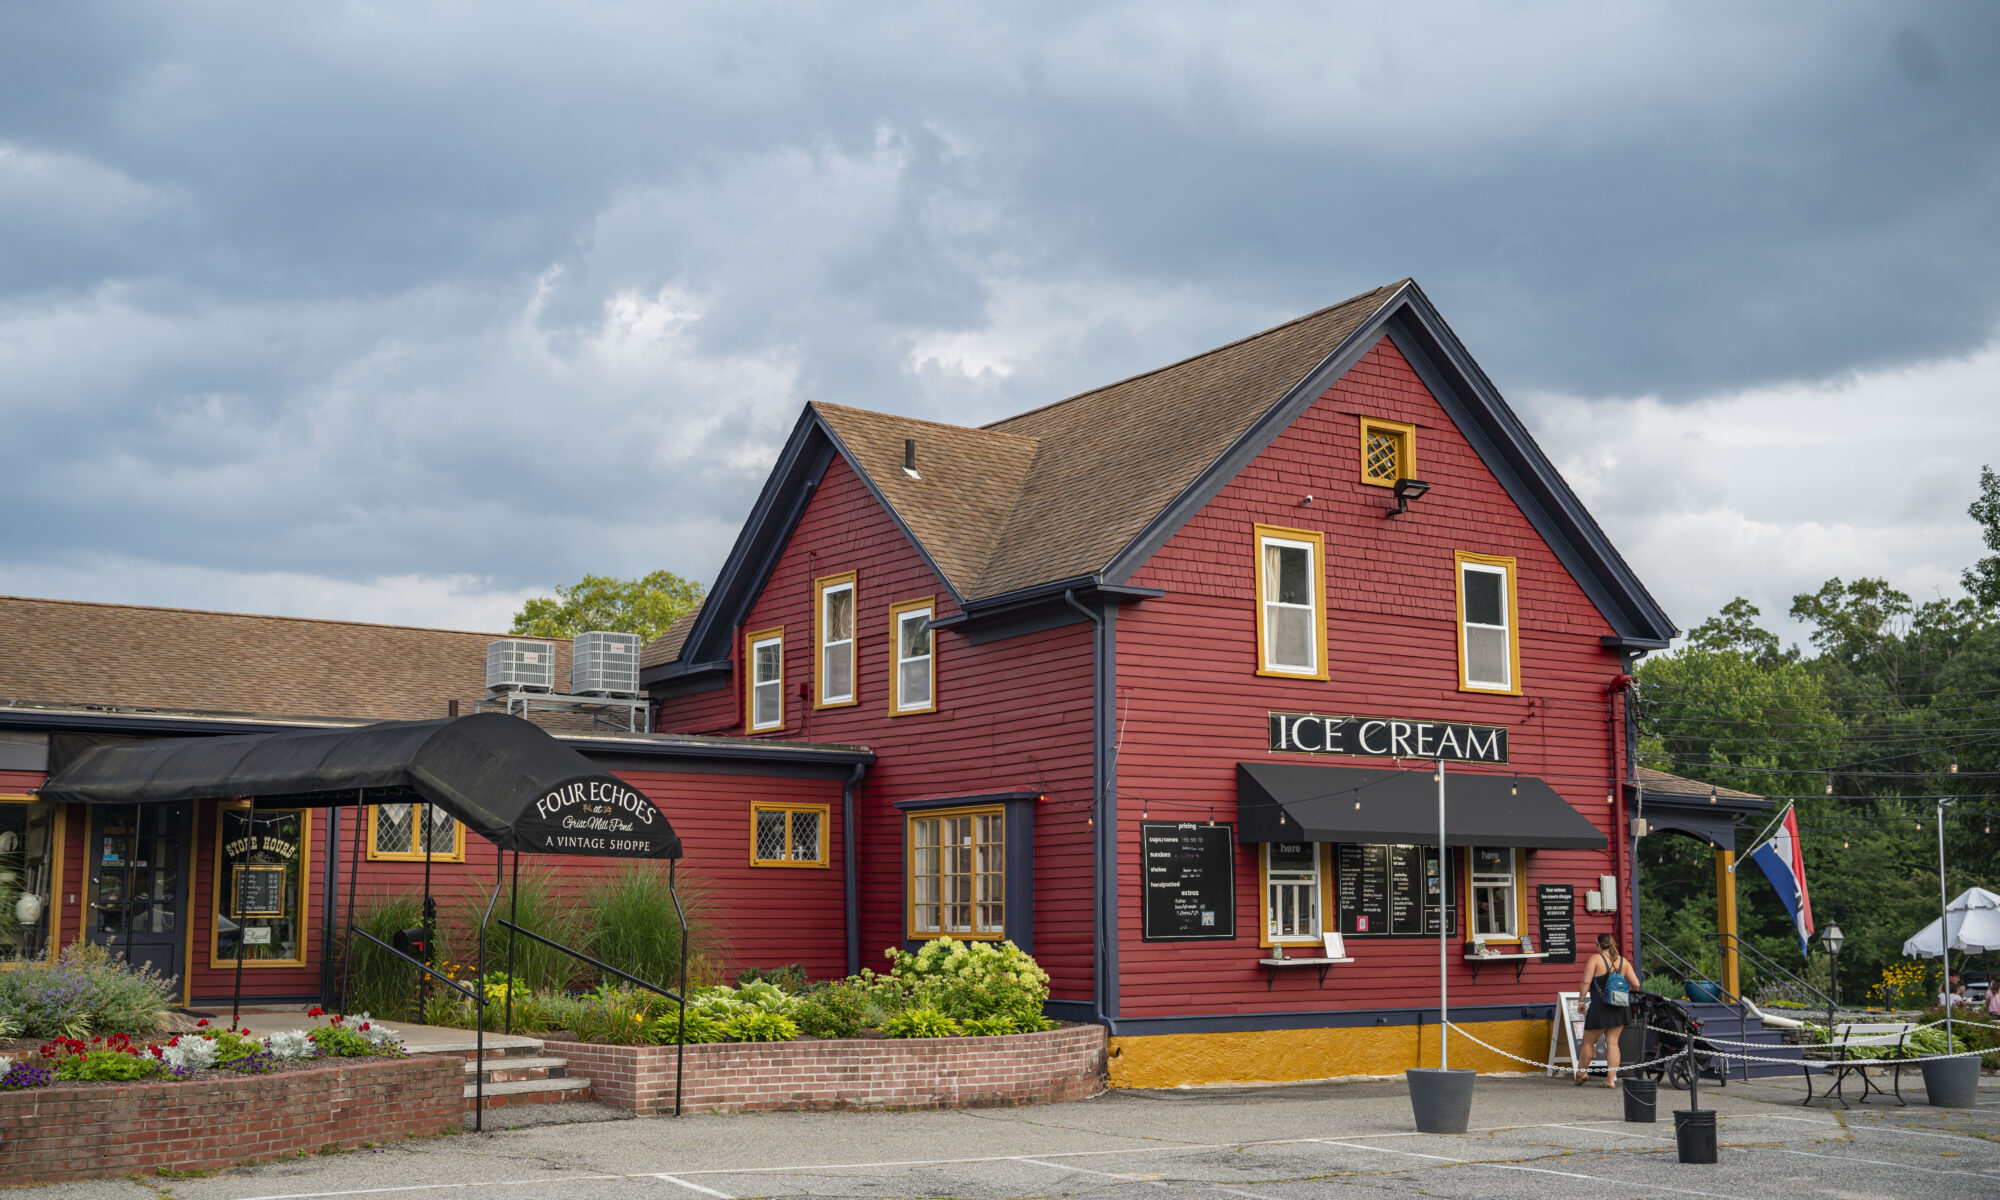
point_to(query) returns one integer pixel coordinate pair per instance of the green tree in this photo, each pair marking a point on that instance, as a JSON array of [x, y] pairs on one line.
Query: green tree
[[645, 606], [1735, 628], [1982, 579]]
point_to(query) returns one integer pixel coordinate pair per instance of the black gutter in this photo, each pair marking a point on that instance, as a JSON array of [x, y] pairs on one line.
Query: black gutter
[[850, 893], [1104, 806], [1089, 587]]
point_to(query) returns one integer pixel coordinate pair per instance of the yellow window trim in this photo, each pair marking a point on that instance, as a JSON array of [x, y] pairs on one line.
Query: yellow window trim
[[215, 885], [457, 854], [759, 806], [820, 587], [60, 848], [910, 930], [1318, 542], [1406, 451], [1472, 914], [896, 612], [1326, 899], [1458, 560], [750, 641]]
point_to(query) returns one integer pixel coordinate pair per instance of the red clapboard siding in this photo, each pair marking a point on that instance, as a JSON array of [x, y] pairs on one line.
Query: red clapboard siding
[[1186, 677], [1013, 715]]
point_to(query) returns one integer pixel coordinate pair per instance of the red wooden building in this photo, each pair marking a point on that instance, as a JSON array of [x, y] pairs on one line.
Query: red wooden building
[[1155, 679]]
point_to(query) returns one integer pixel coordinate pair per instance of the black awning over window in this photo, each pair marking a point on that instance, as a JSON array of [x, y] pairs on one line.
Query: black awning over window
[[506, 779], [1399, 807]]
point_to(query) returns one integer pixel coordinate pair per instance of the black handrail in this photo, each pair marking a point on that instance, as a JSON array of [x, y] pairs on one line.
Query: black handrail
[[478, 998], [680, 997], [1690, 971], [1764, 962]]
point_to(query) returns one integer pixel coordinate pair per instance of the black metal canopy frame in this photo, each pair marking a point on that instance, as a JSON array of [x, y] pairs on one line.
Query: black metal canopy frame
[[502, 777]]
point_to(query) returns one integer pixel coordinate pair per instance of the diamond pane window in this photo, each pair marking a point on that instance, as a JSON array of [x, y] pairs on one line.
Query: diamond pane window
[[1383, 453], [788, 835], [1387, 452], [408, 831]]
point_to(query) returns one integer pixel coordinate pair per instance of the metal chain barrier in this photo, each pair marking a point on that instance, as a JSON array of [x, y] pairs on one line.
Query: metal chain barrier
[[1923, 1058], [1624, 1068], [1551, 1066]]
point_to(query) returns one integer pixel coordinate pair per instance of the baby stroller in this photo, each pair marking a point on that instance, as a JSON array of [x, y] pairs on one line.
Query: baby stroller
[[1669, 1030]]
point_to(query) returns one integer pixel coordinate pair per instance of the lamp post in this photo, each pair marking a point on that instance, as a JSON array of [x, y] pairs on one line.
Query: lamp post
[[1833, 940], [1440, 1097]]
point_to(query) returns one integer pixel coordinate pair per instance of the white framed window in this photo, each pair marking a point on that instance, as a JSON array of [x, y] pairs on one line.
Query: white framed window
[[1291, 603], [958, 874], [913, 684], [1489, 640], [764, 652], [1496, 893], [833, 625], [1294, 887]]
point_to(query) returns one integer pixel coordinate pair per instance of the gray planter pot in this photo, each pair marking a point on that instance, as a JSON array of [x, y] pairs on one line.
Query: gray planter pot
[[1441, 1099], [1952, 1082]]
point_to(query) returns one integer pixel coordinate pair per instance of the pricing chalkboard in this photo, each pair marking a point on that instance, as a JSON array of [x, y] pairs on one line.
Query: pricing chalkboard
[[1190, 881], [260, 891], [1556, 905], [1389, 891]]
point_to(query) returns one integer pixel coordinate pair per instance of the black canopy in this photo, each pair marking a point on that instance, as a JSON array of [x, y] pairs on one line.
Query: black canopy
[[1400, 808], [506, 779]]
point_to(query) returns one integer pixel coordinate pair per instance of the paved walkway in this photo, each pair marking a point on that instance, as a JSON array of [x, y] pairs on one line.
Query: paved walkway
[[417, 1038], [1531, 1138]]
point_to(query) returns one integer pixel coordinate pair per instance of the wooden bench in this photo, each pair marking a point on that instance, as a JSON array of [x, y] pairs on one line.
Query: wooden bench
[[1839, 1058]]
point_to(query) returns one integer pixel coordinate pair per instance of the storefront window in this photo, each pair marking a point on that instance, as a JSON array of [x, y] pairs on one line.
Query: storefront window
[[1495, 896], [260, 873], [1292, 891], [958, 874], [30, 862]]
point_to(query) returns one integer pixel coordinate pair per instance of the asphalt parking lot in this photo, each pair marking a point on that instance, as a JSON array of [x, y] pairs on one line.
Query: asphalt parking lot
[[1530, 1137]]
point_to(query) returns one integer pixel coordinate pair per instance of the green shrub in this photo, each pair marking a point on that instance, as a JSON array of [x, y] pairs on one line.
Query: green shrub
[[108, 1064], [991, 1026], [701, 1028], [920, 1023], [340, 1041], [86, 990], [974, 979], [9, 1025], [614, 1016], [757, 1025], [634, 926], [791, 977], [837, 1010], [232, 1047]]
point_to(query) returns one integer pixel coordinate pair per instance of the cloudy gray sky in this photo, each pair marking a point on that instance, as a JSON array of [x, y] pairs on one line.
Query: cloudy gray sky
[[405, 311]]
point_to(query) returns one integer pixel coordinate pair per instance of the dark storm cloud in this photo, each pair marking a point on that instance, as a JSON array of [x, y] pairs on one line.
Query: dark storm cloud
[[524, 291]]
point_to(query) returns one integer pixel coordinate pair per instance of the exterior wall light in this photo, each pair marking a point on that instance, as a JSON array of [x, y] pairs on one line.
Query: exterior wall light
[[1407, 490]]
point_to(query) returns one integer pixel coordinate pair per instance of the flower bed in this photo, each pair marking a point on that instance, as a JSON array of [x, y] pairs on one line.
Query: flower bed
[[853, 1073], [221, 1119]]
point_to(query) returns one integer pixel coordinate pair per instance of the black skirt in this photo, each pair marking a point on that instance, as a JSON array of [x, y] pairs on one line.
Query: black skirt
[[1604, 1016]]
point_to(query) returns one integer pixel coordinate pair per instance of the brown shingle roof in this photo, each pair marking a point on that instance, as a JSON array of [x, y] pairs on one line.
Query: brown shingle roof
[[1056, 493], [69, 652], [667, 647], [1661, 783]]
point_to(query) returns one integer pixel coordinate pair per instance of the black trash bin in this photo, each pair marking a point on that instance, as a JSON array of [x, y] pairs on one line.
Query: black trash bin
[[1694, 1130], [1640, 1100]]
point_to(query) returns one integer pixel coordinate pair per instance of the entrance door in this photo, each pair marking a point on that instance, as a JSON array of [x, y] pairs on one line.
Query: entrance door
[[138, 866]]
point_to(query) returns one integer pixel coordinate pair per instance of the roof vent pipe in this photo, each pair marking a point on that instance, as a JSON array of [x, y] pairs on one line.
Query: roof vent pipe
[[910, 458]]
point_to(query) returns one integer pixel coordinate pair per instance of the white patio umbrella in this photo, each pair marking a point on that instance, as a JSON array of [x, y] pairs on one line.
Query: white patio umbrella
[[1974, 926]]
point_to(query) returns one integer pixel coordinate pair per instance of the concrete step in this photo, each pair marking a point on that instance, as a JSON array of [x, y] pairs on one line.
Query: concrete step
[[529, 1091], [515, 1068], [497, 1046]]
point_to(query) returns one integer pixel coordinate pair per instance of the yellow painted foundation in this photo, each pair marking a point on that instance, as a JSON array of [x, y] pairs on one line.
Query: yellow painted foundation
[[1292, 1055]]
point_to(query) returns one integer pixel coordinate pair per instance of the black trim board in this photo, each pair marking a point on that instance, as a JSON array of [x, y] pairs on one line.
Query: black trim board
[[974, 800]]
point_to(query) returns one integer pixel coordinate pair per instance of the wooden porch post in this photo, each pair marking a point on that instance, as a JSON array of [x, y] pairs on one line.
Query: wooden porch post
[[1725, 917]]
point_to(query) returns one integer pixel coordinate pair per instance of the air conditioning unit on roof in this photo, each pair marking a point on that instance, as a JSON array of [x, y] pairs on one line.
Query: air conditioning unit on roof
[[516, 664], [604, 664]]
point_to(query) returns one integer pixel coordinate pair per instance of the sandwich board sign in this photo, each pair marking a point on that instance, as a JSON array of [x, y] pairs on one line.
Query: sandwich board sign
[[1566, 1031]]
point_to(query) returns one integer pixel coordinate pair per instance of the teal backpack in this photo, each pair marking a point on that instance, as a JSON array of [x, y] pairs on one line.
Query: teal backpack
[[1614, 990]]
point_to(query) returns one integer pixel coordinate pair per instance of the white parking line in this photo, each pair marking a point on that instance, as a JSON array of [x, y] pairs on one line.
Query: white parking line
[[1087, 1171], [436, 1187], [1876, 1162], [1615, 1183], [695, 1187], [1955, 1137]]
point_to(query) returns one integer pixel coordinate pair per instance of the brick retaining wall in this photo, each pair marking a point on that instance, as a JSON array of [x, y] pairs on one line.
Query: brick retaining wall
[[865, 1073], [58, 1133]]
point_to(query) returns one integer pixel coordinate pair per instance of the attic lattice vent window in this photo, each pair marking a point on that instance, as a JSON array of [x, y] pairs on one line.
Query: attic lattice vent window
[[1388, 452]]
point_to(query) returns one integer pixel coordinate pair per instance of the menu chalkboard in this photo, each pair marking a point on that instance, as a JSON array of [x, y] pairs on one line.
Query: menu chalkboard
[[1556, 904], [260, 891], [1190, 881], [1388, 891]]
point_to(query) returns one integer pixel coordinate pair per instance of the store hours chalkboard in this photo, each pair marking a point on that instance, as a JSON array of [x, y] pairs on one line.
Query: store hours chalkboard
[[1556, 905], [1190, 881], [1388, 891]]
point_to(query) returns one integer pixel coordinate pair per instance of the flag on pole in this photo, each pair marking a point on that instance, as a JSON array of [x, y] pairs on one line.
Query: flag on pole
[[1784, 861]]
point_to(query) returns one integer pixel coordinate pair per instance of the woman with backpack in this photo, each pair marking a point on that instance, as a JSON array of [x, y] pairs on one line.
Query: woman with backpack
[[1608, 981]]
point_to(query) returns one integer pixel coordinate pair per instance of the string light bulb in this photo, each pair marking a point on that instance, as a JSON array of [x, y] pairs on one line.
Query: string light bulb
[[1829, 785], [1711, 794], [1954, 766], [1514, 789], [1843, 843], [1357, 806]]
